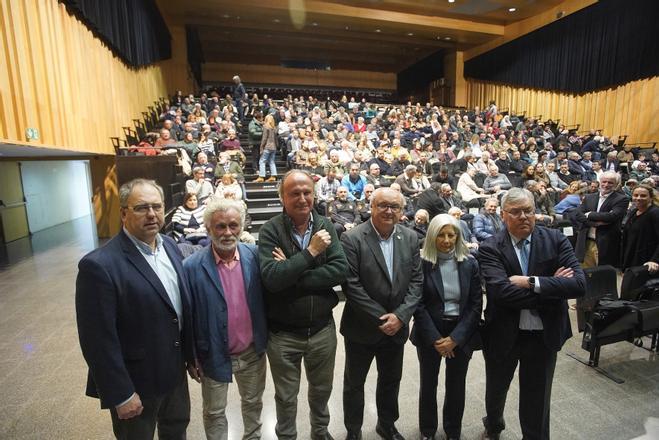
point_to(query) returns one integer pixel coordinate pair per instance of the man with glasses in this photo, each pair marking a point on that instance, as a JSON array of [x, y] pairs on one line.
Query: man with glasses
[[382, 290], [529, 271], [134, 321]]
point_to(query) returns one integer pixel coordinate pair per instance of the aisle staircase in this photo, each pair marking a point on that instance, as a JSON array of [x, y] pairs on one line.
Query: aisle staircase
[[262, 198]]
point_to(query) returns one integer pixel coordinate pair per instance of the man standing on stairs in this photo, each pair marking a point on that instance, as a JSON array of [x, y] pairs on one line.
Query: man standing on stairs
[[301, 260], [254, 137], [239, 95]]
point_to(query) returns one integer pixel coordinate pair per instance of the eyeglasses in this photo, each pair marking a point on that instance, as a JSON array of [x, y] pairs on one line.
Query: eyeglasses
[[144, 209], [384, 206], [517, 213]]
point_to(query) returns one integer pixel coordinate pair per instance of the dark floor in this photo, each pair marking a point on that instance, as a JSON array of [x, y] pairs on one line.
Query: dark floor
[[42, 385]]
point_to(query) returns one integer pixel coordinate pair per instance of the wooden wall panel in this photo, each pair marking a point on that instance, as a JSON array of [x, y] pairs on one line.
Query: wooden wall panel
[[264, 74], [57, 77], [630, 109]]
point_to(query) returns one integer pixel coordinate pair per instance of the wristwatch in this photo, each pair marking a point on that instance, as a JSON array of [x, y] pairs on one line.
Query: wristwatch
[[531, 281]]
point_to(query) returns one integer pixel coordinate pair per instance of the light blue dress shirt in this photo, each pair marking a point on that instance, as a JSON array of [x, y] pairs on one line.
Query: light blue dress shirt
[[164, 269], [528, 319]]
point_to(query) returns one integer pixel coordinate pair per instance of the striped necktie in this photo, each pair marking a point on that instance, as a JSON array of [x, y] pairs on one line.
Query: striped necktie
[[524, 255]]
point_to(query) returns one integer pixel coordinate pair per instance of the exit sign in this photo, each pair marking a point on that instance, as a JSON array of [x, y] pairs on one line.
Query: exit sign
[[32, 134]]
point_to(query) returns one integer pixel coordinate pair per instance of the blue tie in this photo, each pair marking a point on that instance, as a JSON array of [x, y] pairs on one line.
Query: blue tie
[[524, 255]]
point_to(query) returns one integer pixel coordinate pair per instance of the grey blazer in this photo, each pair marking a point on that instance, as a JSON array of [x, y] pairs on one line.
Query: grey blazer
[[369, 291]]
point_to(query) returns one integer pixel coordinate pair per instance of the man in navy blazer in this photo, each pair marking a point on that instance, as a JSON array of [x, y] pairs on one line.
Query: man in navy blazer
[[529, 271], [229, 320], [135, 322]]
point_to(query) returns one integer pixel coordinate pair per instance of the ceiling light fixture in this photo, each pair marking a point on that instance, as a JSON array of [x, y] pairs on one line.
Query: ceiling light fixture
[[451, 1], [314, 24], [512, 9], [410, 34], [447, 38], [276, 20], [378, 30], [347, 28], [226, 16]]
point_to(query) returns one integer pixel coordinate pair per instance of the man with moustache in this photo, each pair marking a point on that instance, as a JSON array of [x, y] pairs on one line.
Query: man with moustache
[[229, 320], [301, 261], [134, 321], [529, 272], [382, 290]]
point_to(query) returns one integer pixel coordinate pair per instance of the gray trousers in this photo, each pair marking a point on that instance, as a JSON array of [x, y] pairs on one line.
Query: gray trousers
[[286, 352], [170, 413], [248, 370]]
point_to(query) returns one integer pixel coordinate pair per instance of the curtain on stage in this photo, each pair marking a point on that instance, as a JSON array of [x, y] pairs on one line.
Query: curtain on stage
[[133, 29], [609, 43]]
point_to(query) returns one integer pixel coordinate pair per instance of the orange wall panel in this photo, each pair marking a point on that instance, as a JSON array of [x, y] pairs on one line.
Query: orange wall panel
[[629, 109], [57, 77]]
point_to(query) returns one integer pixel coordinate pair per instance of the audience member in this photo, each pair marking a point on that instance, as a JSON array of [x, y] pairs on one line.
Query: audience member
[[343, 213], [599, 220], [640, 233], [188, 221], [487, 222], [198, 185]]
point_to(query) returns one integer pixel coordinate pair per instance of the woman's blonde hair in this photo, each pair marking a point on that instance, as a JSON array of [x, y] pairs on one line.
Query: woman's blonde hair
[[429, 251]]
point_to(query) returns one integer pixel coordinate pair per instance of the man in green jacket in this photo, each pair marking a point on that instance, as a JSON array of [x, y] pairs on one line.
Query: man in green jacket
[[301, 260], [254, 138]]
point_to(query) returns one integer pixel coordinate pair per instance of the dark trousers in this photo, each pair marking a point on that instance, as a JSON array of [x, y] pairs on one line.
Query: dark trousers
[[389, 361], [454, 394], [171, 413], [536, 373]]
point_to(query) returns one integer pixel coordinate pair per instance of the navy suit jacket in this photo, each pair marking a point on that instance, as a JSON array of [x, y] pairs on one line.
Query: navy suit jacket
[[129, 331], [497, 258], [430, 311], [210, 314], [608, 234]]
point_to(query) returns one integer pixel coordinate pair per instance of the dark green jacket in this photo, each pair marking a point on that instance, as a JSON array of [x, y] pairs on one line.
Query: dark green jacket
[[255, 132], [299, 291]]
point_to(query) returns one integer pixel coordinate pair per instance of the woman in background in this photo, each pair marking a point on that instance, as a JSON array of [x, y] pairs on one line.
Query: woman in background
[[268, 149], [640, 232], [188, 222]]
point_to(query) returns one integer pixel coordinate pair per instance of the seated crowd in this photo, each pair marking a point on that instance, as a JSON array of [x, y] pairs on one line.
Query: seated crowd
[[437, 158]]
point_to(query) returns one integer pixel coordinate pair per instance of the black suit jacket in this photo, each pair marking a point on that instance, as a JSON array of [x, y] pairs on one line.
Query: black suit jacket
[[607, 235], [430, 311], [369, 291], [129, 331], [497, 258]]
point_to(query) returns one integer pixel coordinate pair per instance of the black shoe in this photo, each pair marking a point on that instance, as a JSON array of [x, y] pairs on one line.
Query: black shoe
[[388, 432], [427, 437], [487, 436], [354, 435], [326, 436]]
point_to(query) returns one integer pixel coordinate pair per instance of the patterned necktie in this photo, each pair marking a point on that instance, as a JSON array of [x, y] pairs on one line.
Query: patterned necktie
[[523, 255], [524, 262]]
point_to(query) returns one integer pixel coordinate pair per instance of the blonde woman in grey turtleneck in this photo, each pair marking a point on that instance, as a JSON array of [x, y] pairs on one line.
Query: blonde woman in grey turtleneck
[[446, 324]]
